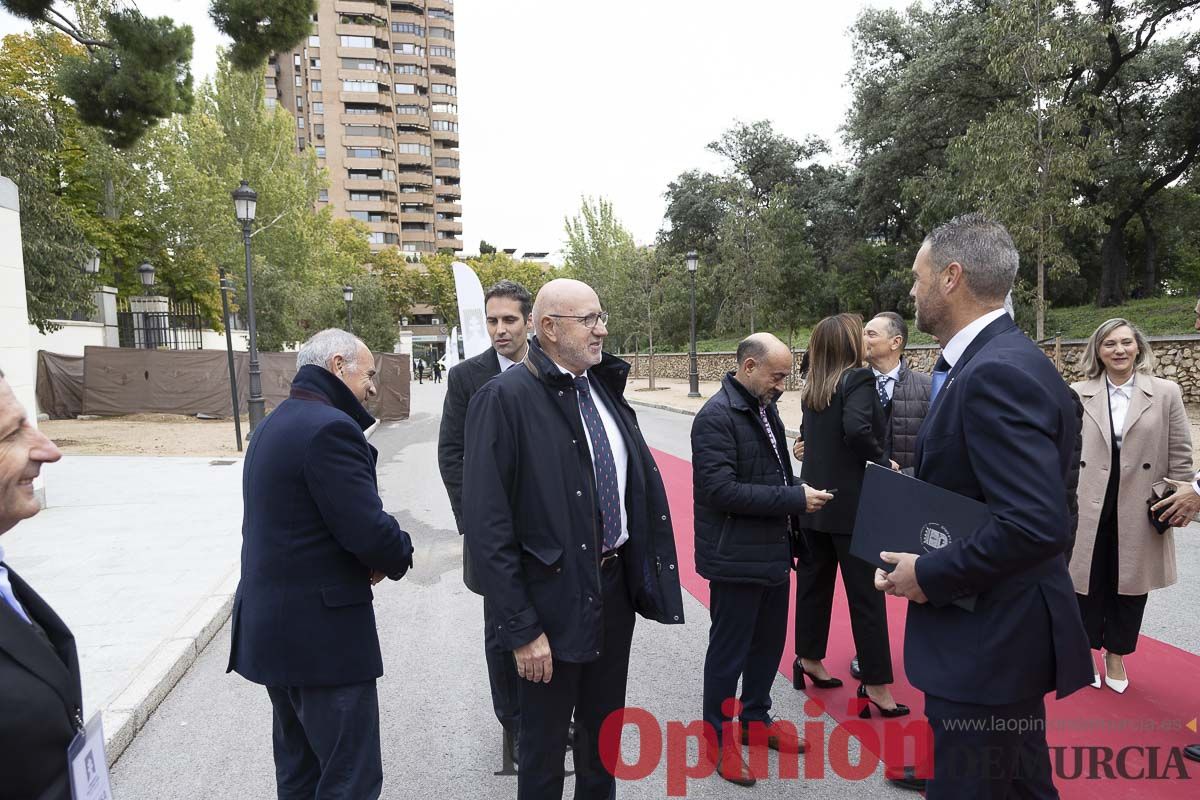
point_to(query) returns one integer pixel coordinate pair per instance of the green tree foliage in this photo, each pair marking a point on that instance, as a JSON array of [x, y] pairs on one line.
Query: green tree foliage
[[135, 70], [260, 27]]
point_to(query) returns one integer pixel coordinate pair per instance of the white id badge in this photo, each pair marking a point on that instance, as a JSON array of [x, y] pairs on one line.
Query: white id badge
[[87, 763]]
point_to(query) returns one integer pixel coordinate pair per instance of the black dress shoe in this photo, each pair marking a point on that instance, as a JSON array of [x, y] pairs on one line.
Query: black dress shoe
[[900, 710], [855, 672], [798, 673], [1192, 751], [908, 780]]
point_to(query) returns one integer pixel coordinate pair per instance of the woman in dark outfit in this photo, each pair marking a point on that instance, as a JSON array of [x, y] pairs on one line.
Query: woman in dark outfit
[[843, 429], [1135, 434]]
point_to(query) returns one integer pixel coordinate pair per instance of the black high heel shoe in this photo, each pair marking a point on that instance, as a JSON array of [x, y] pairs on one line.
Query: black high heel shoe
[[900, 710], [798, 673]]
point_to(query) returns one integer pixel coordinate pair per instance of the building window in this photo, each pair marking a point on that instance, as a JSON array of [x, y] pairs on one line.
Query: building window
[[405, 88], [363, 152], [271, 102], [408, 27], [441, 33], [450, 163], [361, 63], [362, 130], [314, 41], [359, 86], [408, 69], [405, 49], [389, 175], [296, 59], [318, 129], [444, 125], [299, 103], [366, 197], [314, 63], [316, 86], [441, 13], [323, 195], [299, 81], [443, 88], [441, 50], [416, 111], [318, 107], [320, 151], [300, 142], [414, 148], [357, 41], [299, 122], [445, 108]]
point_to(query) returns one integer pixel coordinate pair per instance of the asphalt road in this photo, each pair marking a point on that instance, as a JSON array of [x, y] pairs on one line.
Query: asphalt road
[[211, 738]]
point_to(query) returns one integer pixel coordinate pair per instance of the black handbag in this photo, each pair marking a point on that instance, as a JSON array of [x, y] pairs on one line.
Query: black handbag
[[1157, 496]]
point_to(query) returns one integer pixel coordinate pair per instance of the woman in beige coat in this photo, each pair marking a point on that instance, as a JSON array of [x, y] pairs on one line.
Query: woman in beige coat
[[1135, 434]]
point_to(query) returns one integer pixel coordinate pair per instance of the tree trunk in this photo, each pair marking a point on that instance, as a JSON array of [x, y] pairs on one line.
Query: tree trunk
[[1113, 265], [1149, 256]]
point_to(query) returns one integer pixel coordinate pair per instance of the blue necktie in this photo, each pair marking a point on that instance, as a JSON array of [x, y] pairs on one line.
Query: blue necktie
[[941, 370], [881, 385], [608, 492]]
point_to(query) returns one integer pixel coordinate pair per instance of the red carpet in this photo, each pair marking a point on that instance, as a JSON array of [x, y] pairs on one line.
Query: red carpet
[[1106, 745]]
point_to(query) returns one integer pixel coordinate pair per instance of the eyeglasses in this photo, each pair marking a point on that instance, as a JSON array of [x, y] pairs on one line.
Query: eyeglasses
[[589, 321]]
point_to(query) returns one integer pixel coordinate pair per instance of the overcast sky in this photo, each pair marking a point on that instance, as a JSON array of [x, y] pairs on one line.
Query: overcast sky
[[562, 99]]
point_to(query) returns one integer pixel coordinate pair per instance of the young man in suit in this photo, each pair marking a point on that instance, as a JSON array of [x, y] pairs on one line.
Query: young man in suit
[[508, 308], [315, 539], [41, 702], [1002, 429], [570, 534]]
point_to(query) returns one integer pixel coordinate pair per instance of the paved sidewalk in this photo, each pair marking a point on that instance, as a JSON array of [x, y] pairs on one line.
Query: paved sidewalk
[[672, 395], [139, 556]]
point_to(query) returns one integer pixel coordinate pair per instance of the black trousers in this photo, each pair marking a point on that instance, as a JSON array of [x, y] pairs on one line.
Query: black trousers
[[326, 742], [1112, 620], [814, 606], [989, 752], [745, 640], [593, 691], [502, 673]]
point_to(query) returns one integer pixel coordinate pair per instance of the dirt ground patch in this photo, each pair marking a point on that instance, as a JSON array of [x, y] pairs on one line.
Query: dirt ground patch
[[145, 435]]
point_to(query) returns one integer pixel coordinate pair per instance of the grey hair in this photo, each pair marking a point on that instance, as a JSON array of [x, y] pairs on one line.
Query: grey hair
[[1090, 362], [322, 347], [982, 247]]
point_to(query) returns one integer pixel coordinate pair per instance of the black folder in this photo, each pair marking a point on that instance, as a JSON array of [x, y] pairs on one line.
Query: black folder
[[901, 514]]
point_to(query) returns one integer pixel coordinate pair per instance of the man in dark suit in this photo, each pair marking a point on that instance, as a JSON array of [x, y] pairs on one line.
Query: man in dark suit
[[570, 534], [746, 506], [508, 308], [41, 702], [315, 538], [1002, 430]]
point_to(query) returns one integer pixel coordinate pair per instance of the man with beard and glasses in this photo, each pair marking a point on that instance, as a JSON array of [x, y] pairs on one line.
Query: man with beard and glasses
[[569, 532], [746, 506], [508, 310], [1002, 429]]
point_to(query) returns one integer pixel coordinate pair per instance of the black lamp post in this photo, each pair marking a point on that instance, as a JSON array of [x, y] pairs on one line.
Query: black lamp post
[[693, 261], [149, 321], [92, 265], [226, 290], [348, 296], [245, 200]]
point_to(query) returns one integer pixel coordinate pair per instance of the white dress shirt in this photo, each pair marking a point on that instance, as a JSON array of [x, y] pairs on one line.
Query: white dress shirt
[[959, 343], [6, 590], [616, 443], [1118, 405], [505, 361], [890, 386]]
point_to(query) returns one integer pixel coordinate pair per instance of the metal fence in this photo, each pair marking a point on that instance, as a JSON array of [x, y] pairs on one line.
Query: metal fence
[[178, 328]]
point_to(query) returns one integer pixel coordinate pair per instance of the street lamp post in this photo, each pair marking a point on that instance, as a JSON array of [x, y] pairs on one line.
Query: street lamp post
[[348, 296], [693, 370], [226, 288], [149, 323], [245, 200]]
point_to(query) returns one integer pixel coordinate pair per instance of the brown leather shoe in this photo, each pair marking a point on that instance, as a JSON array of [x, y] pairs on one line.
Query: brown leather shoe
[[736, 770], [778, 737]]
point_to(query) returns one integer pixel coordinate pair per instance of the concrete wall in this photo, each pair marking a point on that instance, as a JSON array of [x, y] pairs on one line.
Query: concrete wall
[[212, 340], [1178, 359], [15, 352], [68, 340]]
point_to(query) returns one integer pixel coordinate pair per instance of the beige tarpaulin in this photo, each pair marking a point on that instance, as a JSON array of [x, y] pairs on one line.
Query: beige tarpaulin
[[118, 381]]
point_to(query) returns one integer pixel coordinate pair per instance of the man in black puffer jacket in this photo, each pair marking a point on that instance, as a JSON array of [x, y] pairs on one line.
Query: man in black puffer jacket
[[746, 502]]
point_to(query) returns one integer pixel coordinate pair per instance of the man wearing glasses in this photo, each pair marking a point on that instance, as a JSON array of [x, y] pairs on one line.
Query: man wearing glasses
[[567, 525]]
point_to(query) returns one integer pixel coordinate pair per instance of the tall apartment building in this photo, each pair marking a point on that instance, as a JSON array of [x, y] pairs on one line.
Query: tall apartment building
[[374, 92]]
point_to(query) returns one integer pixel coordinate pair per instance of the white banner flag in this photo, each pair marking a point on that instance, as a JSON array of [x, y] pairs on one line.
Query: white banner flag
[[452, 348], [471, 318]]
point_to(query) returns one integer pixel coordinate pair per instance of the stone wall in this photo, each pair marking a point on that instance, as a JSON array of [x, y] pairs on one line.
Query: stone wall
[[1177, 359]]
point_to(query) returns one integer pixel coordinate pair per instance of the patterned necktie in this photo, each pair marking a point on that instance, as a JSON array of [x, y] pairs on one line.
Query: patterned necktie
[[941, 370], [608, 493], [881, 384]]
